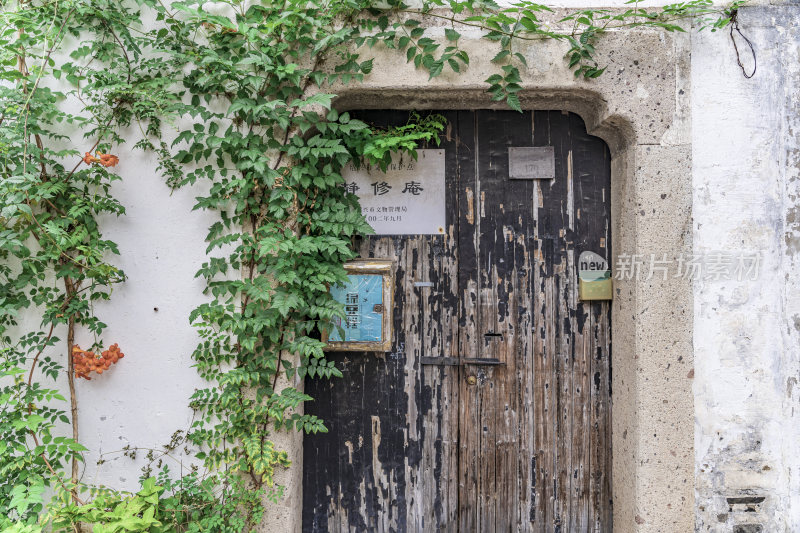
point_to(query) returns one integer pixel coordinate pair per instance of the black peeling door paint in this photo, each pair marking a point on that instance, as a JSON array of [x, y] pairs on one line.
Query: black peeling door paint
[[520, 446]]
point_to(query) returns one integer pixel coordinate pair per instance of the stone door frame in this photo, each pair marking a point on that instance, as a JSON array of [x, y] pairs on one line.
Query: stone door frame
[[640, 107]]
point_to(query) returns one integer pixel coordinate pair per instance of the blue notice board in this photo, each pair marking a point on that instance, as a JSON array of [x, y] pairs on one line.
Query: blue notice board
[[362, 298]]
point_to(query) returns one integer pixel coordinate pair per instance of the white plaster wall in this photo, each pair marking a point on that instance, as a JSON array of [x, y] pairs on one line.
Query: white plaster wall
[[745, 198], [144, 398]]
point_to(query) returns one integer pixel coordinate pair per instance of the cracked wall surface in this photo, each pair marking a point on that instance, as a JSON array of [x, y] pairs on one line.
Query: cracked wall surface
[[746, 157]]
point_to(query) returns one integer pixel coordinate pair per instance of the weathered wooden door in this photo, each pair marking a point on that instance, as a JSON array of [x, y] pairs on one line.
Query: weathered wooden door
[[492, 413]]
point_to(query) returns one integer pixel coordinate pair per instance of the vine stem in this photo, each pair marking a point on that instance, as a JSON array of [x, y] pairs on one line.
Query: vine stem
[[73, 399], [36, 358], [162, 453], [29, 94], [64, 305], [69, 285], [546, 34], [73, 492], [95, 145]]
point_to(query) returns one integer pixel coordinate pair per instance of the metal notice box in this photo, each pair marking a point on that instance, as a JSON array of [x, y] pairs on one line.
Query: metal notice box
[[367, 301], [531, 162]]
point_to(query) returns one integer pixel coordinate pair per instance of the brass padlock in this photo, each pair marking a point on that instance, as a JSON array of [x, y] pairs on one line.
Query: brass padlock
[[472, 380]]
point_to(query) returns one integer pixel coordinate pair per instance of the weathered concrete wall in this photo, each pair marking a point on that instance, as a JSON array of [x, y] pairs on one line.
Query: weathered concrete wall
[[747, 341], [705, 375]]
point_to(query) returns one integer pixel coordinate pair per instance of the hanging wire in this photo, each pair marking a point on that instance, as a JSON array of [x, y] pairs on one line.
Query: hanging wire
[[735, 27]]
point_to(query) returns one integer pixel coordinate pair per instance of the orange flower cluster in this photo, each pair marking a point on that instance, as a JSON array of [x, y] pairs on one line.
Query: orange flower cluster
[[107, 160], [85, 361]]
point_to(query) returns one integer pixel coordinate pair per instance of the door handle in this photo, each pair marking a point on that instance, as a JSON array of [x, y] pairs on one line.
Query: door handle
[[460, 361]]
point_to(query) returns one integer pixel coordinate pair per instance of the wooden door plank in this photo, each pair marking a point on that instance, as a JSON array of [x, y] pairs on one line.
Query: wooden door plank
[[588, 220], [491, 313], [544, 301], [438, 474], [591, 161], [467, 319], [563, 278], [505, 218]]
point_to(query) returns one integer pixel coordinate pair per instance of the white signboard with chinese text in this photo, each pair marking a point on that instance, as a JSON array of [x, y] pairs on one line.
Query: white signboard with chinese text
[[407, 199]]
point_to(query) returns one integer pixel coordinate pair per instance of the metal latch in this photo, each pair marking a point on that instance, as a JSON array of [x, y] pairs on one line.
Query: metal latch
[[460, 361]]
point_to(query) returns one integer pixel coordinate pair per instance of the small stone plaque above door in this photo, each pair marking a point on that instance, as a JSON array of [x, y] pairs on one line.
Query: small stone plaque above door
[[531, 162]]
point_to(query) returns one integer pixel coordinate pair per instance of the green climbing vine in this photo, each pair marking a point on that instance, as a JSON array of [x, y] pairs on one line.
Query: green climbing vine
[[238, 96], [54, 262]]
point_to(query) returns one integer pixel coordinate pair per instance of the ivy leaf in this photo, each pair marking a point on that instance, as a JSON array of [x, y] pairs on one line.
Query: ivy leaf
[[436, 69], [500, 56], [317, 99], [366, 66], [451, 34]]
